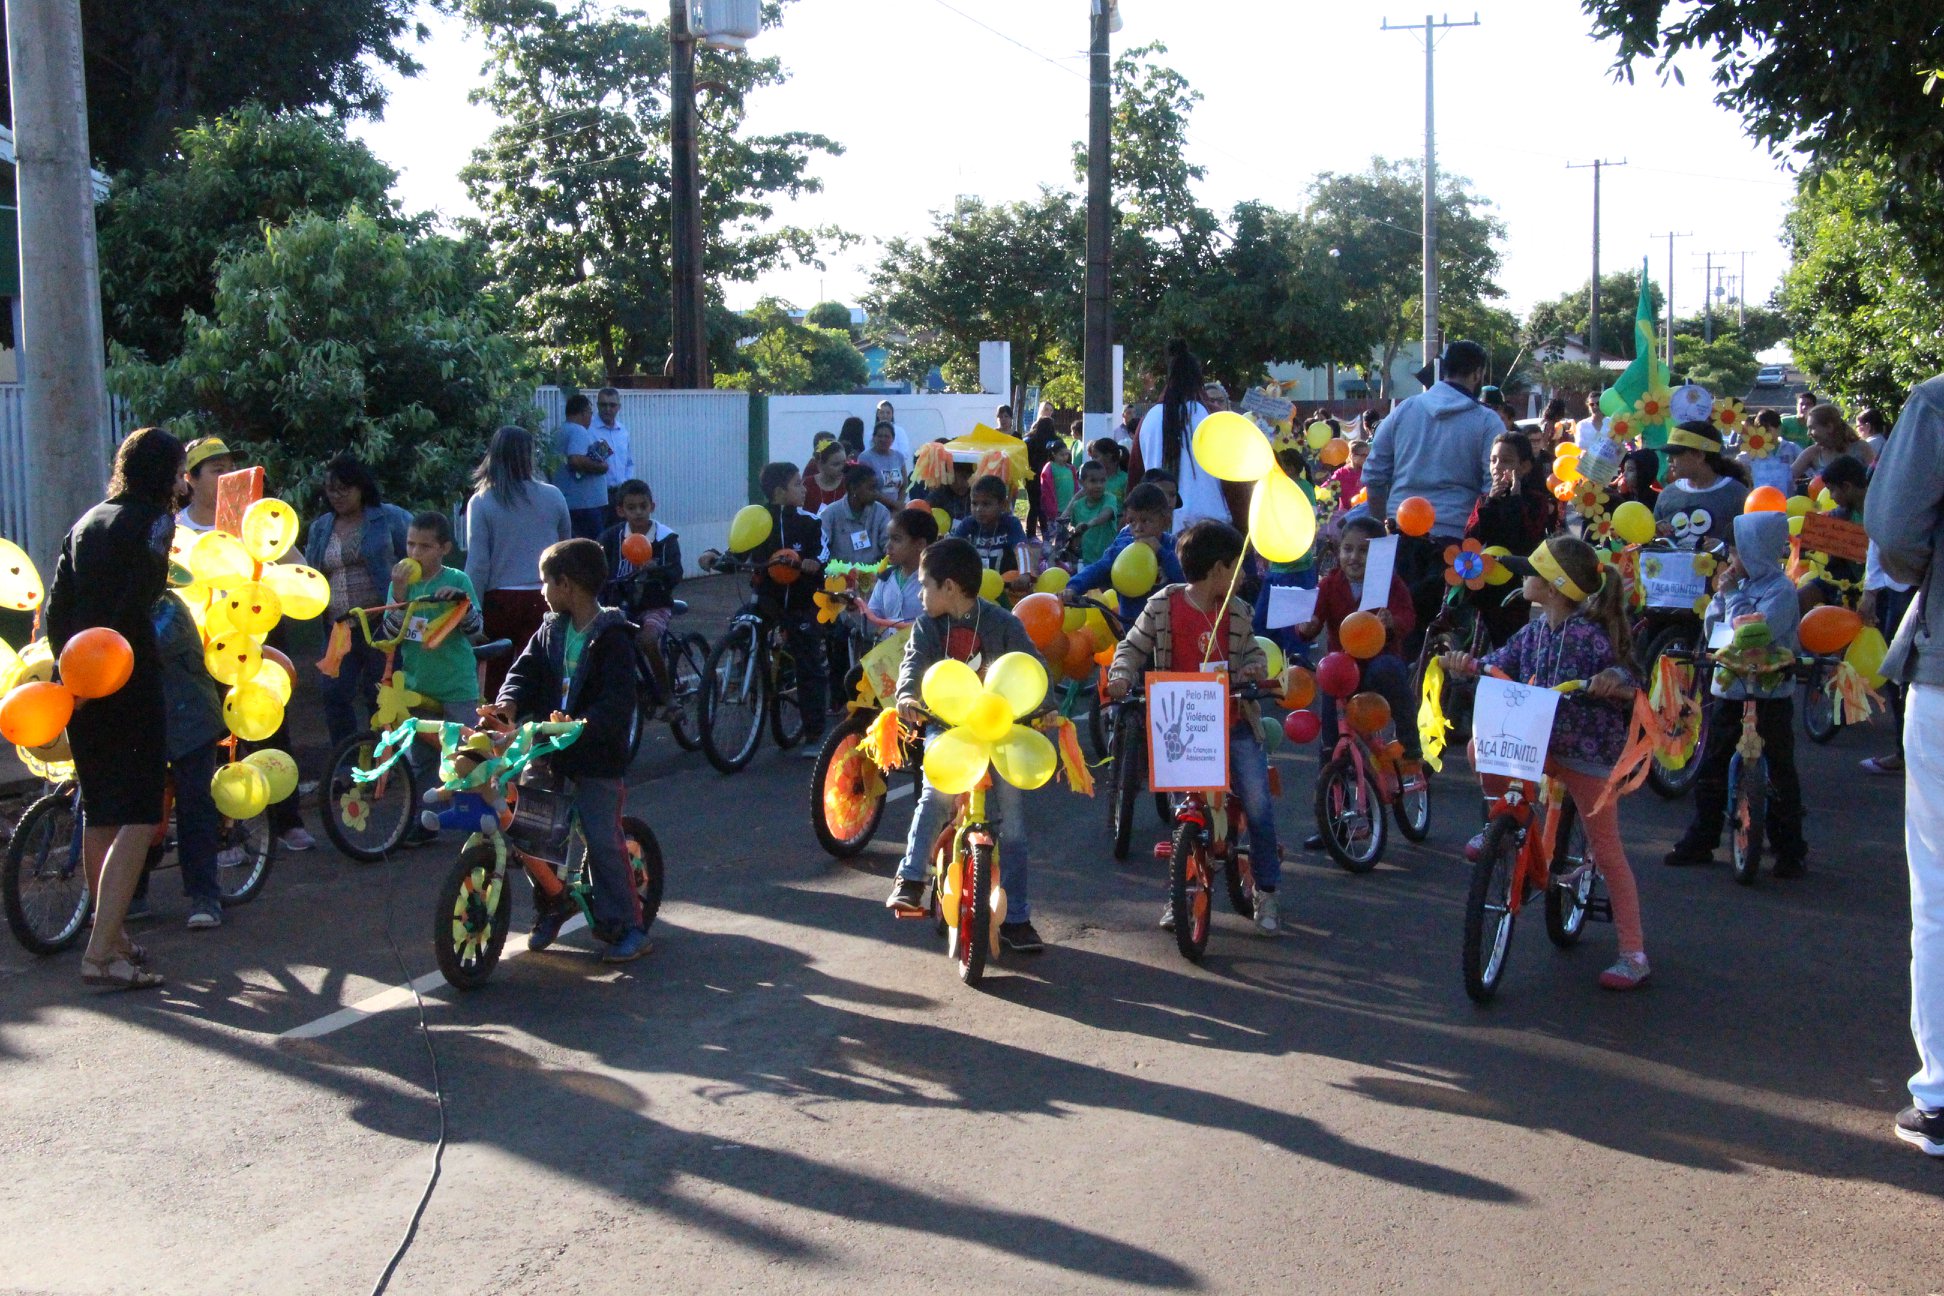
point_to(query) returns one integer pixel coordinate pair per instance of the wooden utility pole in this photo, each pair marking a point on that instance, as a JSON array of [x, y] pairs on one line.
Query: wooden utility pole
[[1593, 301], [691, 340], [1099, 402]]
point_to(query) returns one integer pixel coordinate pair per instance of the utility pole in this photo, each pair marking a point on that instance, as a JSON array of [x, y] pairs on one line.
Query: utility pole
[[691, 340], [60, 345], [1670, 236], [1593, 303], [1708, 293], [1430, 30], [1099, 402]]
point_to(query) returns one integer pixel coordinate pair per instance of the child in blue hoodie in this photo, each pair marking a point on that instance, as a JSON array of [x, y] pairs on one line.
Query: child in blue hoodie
[[1752, 584], [1148, 515]]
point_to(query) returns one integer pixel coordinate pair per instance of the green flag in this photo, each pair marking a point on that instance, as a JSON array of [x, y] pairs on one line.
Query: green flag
[[1639, 396]]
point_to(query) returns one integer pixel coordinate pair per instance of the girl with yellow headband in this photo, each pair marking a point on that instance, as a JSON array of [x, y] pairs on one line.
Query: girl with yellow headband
[[1580, 634]]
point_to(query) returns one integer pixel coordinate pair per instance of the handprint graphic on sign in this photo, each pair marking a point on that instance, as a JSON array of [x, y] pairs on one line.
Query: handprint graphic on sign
[[1173, 713]]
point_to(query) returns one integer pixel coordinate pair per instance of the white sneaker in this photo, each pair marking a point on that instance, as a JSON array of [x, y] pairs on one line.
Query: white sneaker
[[231, 857], [1265, 914], [1167, 915], [296, 839]]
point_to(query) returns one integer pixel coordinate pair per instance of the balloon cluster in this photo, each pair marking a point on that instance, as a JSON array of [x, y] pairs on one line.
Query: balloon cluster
[[35, 710], [984, 716], [1073, 640], [1282, 525]]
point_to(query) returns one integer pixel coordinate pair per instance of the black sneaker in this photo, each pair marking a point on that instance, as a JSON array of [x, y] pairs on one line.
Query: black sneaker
[[1313, 842], [1680, 858], [1791, 869], [907, 893], [1020, 938], [547, 924], [1923, 1130]]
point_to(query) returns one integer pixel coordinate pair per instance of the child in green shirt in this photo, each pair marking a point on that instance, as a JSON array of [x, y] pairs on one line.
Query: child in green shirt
[[1095, 513], [444, 676]]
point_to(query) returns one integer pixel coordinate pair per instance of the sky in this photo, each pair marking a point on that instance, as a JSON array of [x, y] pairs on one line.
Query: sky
[[937, 98]]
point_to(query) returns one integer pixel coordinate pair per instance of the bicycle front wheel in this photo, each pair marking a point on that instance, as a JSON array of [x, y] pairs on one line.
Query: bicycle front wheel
[[1189, 893], [1349, 816], [45, 884], [685, 656], [734, 698], [1567, 901], [645, 863], [973, 935], [1130, 772], [1818, 708], [366, 820], [469, 922], [846, 790], [1673, 784], [1488, 910], [1748, 804], [1412, 809], [244, 853]]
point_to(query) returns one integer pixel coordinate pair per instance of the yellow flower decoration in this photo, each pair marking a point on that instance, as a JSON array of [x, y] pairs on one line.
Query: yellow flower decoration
[[1757, 442], [395, 703], [1621, 427], [1650, 568], [1728, 414], [354, 810], [1652, 405], [836, 584], [1599, 531], [828, 608], [1704, 564], [1589, 499]]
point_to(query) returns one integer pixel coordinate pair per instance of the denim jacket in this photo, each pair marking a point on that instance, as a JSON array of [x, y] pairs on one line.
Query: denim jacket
[[383, 543]]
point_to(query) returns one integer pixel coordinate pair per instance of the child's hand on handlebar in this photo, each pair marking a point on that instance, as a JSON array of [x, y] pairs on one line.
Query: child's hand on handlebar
[[1611, 684], [494, 716], [912, 713], [1118, 689], [1460, 663]]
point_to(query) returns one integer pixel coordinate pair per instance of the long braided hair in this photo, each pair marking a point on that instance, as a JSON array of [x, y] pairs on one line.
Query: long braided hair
[[1184, 387]]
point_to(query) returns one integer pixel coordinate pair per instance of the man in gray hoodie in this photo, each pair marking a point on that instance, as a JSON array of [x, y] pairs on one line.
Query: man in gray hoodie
[[1437, 445], [1905, 516]]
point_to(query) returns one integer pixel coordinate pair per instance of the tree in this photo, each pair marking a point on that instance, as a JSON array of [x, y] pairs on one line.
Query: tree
[[1757, 327], [341, 335], [1724, 366], [163, 233], [784, 357], [1574, 380], [831, 315], [1374, 220], [1830, 77], [1009, 272], [1864, 281], [574, 182], [154, 68], [1573, 313]]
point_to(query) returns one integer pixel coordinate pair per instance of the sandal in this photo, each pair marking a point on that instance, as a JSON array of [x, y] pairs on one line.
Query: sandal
[[136, 954], [1882, 765], [118, 974]]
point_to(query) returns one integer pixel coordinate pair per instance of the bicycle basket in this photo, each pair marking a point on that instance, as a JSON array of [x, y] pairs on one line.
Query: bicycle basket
[[541, 816]]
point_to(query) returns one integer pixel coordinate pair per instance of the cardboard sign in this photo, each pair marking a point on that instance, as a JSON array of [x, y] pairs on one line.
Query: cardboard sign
[[1668, 580], [235, 492], [880, 665], [1188, 724], [1512, 728], [1824, 534], [1379, 563], [1273, 408], [1290, 605], [1600, 456]]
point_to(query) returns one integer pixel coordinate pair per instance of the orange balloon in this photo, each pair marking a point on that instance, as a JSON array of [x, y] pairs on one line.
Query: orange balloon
[[1766, 499], [1416, 516], [1335, 452], [1055, 653], [1815, 486], [1828, 629], [95, 663], [637, 549], [1367, 712], [34, 714], [1299, 688], [1079, 657], [1042, 616], [1362, 635], [783, 568]]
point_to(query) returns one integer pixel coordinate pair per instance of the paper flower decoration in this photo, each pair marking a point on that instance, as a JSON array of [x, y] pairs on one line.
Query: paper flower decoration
[[1727, 416], [984, 718], [1652, 406], [1622, 427], [1468, 564], [1599, 530], [829, 607], [1704, 564], [1650, 567], [395, 703], [1757, 441], [354, 810], [1589, 499]]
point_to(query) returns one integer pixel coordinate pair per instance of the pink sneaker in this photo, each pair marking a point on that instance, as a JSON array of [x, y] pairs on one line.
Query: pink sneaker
[[1475, 847], [1628, 972]]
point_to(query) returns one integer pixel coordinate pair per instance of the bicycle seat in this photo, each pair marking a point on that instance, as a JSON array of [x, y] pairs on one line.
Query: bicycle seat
[[492, 650], [680, 607]]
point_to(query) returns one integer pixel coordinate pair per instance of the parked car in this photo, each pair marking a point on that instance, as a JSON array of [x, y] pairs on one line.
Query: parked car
[[1771, 376]]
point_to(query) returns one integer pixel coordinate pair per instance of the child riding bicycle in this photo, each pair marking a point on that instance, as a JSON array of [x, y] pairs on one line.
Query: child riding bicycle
[[1196, 626], [644, 591], [444, 676]]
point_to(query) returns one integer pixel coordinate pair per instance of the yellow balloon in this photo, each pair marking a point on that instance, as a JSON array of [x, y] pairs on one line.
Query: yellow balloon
[[1317, 435], [302, 590], [1866, 653], [218, 558], [1136, 569], [269, 529], [750, 527], [990, 719], [1797, 505], [1825, 501], [1273, 652], [240, 790], [1282, 525], [991, 585], [1073, 618], [1567, 470], [272, 677], [1795, 525], [1634, 522], [1051, 581], [949, 689], [36, 664], [253, 608], [1228, 446], [955, 761], [232, 658], [20, 583], [1020, 679], [55, 768], [944, 521], [1566, 450], [277, 768], [252, 712], [1024, 758], [9, 668]]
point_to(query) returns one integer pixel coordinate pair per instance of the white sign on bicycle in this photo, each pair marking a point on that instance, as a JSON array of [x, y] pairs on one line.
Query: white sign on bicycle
[[1188, 725], [1511, 728], [1668, 580]]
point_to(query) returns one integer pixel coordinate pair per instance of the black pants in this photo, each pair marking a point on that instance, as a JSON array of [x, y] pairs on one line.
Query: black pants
[[1774, 721], [1420, 565]]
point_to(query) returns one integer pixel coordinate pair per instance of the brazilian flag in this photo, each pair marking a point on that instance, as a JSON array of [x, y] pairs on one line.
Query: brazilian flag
[[1638, 400]]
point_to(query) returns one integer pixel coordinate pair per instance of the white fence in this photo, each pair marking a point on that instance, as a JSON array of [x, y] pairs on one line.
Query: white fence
[[14, 489], [692, 447], [794, 421]]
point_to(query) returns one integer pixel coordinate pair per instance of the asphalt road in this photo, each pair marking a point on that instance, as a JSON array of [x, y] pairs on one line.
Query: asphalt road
[[794, 1094]]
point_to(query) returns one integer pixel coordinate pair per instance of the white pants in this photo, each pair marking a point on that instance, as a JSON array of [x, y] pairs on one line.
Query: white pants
[[1924, 844]]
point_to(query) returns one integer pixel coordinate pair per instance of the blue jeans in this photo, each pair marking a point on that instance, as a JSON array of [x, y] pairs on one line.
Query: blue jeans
[[617, 909], [1386, 675], [929, 817], [199, 825], [356, 684], [1249, 776]]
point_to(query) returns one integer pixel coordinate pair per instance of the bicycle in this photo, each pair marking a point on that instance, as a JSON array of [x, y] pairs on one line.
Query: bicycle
[[367, 819], [1819, 716], [748, 678], [1459, 626], [1748, 773], [1207, 830], [523, 814], [847, 789], [45, 886], [1669, 638], [1126, 722], [1515, 863], [1363, 775], [682, 655]]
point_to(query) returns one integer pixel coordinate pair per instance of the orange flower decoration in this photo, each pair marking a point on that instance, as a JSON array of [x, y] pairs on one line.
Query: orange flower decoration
[[1757, 441], [1589, 499], [1728, 414], [1468, 564]]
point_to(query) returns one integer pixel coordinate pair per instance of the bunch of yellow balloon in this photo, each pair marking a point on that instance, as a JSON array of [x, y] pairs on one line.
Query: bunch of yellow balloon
[[1282, 525], [984, 718]]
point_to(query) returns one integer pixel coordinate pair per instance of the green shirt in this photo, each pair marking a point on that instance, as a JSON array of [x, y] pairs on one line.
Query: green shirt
[[445, 673], [570, 658], [1094, 539]]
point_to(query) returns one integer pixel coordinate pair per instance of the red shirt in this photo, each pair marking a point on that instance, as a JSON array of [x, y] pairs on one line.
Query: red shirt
[[1193, 629], [1334, 601], [815, 496]]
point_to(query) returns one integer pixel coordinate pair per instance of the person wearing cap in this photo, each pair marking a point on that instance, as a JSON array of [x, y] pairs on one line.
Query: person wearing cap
[[1705, 489], [1436, 445]]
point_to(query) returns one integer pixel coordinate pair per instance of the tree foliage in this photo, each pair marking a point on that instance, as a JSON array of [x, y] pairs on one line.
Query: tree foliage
[[341, 335], [1724, 366], [830, 315], [783, 357], [1757, 327], [1572, 313], [574, 182], [154, 67], [163, 233], [1831, 77]]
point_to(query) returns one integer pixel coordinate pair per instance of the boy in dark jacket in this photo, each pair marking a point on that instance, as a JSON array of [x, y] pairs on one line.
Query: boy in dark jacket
[[195, 723], [580, 665], [644, 592]]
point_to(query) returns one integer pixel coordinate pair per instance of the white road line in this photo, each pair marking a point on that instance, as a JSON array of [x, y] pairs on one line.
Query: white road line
[[397, 996]]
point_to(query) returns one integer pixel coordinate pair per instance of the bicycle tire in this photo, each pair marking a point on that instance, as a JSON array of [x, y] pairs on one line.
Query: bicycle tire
[[44, 856], [1489, 897], [974, 931], [1189, 891], [685, 676], [1412, 810], [259, 845], [1338, 819], [1566, 903], [786, 718], [1672, 785], [469, 922], [1748, 822], [735, 669], [1130, 771], [1098, 730], [388, 814], [644, 707], [1818, 708], [647, 867], [1240, 875], [841, 782]]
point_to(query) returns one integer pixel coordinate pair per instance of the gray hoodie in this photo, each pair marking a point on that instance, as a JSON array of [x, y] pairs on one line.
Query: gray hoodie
[[1437, 445], [1905, 516], [1761, 542], [980, 638]]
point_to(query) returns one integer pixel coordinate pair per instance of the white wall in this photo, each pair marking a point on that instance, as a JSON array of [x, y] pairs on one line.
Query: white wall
[[794, 421]]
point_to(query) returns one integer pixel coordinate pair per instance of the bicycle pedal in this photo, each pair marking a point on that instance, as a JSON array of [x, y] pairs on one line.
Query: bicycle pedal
[[1599, 909], [1164, 850], [909, 911]]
